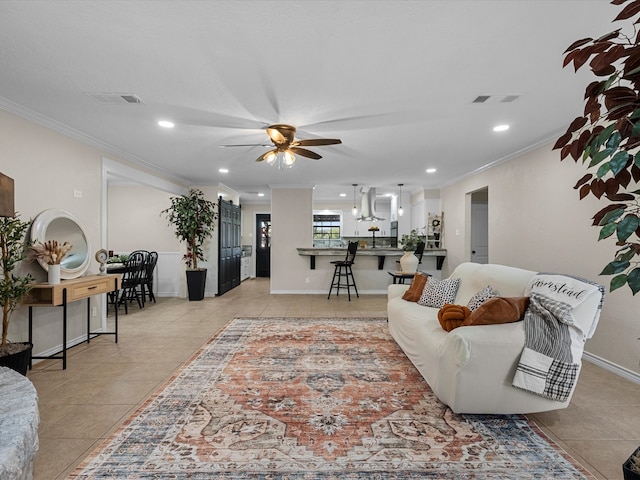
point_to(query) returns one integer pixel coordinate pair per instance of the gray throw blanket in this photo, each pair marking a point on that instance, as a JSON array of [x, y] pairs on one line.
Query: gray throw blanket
[[547, 366]]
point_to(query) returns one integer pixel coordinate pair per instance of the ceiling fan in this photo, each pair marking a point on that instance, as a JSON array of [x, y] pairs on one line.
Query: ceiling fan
[[287, 147]]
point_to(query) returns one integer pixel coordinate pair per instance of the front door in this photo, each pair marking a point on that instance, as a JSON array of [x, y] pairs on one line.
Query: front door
[[263, 245]]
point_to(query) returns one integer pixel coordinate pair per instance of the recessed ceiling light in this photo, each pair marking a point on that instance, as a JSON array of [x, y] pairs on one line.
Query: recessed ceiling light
[[343, 194], [223, 170], [261, 194], [501, 128], [431, 170], [166, 124]]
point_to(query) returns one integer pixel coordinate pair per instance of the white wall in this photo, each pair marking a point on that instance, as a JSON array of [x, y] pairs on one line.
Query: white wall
[[291, 227], [48, 168], [537, 222], [134, 223]]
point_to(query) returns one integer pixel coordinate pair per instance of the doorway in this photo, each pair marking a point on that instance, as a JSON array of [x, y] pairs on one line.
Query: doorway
[[263, 245], [480, 226]]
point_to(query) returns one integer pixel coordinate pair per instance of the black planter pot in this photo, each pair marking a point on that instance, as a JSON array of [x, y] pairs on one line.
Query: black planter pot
[[18, 361], [196, 281], [626, 467]]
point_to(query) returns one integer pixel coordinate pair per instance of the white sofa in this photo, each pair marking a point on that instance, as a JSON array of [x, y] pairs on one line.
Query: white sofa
[[471, 368]]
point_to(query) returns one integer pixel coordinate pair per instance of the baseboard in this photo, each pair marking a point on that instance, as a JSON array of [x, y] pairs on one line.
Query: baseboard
[[613, 367], [325, 292]]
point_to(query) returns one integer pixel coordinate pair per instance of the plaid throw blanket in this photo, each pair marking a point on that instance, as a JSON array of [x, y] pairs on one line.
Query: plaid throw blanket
[[547, 366]]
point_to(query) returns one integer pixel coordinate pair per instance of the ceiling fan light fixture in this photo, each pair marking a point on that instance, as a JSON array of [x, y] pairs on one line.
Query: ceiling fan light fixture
[[288, 158], [270, 157]]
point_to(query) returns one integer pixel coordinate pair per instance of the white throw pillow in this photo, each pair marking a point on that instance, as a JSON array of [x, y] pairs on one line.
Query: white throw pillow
[[482, 296], [438, 292]]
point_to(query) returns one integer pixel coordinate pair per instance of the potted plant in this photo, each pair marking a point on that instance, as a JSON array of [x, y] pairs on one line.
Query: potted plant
[[50, 253], [12, 289], [194, 219], [408, 261]]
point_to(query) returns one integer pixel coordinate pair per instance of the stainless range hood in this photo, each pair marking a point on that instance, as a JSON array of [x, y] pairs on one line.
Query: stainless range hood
[[368, 205]]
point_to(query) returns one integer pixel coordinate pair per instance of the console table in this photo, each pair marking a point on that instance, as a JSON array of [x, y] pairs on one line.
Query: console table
[[59, 295]]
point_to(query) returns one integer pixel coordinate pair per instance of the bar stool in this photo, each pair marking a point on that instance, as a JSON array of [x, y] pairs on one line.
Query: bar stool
[[343, 270]]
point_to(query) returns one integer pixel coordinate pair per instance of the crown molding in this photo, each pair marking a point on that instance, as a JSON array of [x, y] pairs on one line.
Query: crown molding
[[70, 132]]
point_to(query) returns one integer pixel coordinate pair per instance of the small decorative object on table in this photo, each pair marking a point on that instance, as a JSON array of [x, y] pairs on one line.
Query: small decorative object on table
[[101, 257], [408, 261], [373, 229], [50, 253]]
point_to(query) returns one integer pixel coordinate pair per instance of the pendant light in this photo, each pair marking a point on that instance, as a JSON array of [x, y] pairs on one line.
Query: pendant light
[[400, 210], [354, 210]]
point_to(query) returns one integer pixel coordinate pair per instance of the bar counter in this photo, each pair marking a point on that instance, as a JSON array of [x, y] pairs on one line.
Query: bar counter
[[381, 253]]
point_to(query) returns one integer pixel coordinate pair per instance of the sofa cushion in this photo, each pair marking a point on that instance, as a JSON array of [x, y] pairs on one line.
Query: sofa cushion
[[482, 296], [498, 310], [509, 281], [417, 285], [438, 292]]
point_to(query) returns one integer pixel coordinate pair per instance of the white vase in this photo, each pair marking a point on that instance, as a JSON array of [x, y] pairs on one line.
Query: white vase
[[408, 262], [54, 274]]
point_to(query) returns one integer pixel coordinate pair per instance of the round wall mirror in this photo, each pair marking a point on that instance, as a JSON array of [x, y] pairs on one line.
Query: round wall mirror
[[62, 226]]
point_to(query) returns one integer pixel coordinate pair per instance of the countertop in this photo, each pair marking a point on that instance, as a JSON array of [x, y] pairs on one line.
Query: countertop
[[382, 251]]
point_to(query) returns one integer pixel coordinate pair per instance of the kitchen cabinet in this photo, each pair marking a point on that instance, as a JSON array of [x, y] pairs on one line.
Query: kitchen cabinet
[[245, 268]]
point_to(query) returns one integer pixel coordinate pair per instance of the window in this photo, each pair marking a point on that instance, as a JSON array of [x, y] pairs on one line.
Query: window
[[326, 230]]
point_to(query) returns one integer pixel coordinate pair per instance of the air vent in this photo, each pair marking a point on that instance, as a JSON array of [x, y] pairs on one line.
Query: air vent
[[495, 98], [482, 98], [115, 98]]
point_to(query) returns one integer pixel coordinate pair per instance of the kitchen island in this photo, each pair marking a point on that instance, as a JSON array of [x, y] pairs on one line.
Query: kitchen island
[[381, 253]]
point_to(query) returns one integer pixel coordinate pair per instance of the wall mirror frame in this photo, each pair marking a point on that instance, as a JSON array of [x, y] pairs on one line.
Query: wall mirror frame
[[62, 226]]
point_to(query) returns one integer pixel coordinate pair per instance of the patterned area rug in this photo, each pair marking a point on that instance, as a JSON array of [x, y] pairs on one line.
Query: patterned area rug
[[301, 398]]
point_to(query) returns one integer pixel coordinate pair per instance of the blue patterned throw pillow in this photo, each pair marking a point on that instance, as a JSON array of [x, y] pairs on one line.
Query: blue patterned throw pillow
[[438, 292]]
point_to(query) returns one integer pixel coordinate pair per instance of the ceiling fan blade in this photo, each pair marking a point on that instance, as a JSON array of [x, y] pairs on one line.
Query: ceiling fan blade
[[305, 153], [264, 155], [312, 142], [247, 145], [276, 136]]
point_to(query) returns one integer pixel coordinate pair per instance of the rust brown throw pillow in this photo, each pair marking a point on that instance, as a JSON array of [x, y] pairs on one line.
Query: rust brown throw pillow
[[417, 285], [452, 316], [498, 310]]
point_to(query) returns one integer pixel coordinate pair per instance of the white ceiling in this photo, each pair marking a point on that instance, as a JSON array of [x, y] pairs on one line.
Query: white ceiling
[[395, 80]]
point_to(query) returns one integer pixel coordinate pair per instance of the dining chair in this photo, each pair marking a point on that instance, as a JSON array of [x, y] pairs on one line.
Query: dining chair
[[131, 277], [147, 282], [142, 277]]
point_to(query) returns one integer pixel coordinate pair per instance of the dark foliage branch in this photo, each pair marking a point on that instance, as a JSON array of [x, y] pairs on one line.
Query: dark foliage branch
[[607, 139]]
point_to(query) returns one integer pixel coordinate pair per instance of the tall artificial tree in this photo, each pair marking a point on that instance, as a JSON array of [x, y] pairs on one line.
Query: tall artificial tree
[[194, 219], [606, 138]]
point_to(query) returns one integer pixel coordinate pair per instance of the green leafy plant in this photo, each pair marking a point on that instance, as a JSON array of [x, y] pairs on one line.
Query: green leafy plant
[[606, 137], [410, 242], [194, 219], [13, 288]]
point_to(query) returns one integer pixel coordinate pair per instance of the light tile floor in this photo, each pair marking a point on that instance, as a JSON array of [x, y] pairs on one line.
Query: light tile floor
[[104, 382]]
